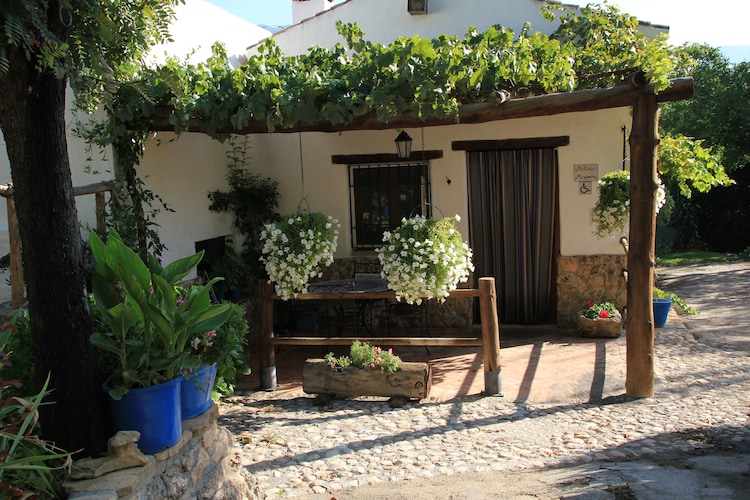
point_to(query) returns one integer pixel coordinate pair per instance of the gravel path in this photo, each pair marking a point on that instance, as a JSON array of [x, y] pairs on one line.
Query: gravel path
[[296, 449]]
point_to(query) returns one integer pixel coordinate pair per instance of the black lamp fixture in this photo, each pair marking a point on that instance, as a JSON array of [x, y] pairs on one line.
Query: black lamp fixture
[[403, 145]]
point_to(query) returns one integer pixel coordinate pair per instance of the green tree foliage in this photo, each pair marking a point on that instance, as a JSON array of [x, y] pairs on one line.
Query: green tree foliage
[[686, 164], [716, 117], [717, 113]]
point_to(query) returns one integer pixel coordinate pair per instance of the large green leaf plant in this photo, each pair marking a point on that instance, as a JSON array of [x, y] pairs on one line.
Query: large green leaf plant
[[149, 323]]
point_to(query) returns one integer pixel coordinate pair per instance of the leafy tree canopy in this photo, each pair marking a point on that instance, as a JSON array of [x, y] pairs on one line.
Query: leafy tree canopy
[[92, 42], [717, 113]]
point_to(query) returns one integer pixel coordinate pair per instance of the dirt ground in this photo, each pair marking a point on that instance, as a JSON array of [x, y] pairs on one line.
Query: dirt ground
[[720, 291]]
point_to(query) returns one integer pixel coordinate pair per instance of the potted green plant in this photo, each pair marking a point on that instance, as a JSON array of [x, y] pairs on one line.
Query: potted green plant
[[221, 354], [295, 248], [425, 258], [148, 327]]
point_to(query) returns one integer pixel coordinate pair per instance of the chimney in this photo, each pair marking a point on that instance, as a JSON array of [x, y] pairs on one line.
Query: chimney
[[305, 9]]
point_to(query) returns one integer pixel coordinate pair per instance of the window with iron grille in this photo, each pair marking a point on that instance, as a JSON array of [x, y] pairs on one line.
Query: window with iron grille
[[381, 195]]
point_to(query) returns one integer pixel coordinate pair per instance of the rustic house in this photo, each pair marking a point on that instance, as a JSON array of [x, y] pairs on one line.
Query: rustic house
[[522, 186]]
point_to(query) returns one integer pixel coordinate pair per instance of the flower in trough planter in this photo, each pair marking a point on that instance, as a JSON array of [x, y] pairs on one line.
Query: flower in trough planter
[[611, 212], [602, 310], [600, 320], [295, 249], [425, 258], [364, 355]]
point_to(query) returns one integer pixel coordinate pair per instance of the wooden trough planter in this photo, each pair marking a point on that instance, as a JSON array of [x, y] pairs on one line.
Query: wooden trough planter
[[411, 381]]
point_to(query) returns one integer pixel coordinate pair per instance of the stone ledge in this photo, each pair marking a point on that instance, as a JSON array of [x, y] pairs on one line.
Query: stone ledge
[[203, 461]]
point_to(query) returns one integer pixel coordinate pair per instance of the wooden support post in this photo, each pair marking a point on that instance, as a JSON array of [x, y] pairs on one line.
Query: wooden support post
[[490, 336], [17, 294], [265, 331], [639, 325], [101, 206]]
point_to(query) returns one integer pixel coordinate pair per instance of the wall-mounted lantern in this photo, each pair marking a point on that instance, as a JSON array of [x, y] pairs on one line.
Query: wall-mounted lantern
[[417, 7], [403, 145]]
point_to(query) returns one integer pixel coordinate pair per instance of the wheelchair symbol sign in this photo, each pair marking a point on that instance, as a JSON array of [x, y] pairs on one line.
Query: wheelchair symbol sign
[[584, 187]]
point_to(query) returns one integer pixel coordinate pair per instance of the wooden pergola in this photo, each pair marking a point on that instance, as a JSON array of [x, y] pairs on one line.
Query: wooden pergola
[[644, 139]]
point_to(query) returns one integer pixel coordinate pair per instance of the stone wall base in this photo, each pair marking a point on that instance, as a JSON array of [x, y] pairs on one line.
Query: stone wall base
[[584, 278], [204, 464]]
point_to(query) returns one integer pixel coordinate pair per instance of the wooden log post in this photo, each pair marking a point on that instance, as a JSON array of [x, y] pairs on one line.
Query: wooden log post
[[639, 325], [17, 288], [411, 380], [490, 336], [265, 332]]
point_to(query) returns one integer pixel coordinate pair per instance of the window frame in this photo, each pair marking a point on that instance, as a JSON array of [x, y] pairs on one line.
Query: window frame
[[424, 190]]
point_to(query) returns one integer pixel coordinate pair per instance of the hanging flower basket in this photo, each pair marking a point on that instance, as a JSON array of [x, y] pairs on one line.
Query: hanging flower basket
[[611, 212], [296, 248], [425, 258]]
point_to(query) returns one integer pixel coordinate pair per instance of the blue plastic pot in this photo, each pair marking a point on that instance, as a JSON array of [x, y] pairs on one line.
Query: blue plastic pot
[[153, 411], [196, 390], [661, 311]]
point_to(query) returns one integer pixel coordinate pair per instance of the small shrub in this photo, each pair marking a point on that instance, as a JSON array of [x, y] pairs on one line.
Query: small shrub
[[363, 355]]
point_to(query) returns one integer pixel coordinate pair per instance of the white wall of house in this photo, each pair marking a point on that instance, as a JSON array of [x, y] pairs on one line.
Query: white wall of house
[[183, 172], [198, 166], [385, 20]]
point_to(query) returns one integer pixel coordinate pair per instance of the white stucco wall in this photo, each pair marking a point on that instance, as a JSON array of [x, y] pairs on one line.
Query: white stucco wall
[[385, 20], [183, 172], [198, 24], [595, 138]]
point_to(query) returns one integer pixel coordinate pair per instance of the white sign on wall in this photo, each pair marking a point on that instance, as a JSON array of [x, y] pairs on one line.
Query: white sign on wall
[[586, 174]]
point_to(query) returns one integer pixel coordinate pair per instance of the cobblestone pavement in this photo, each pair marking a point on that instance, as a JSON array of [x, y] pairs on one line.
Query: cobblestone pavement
[[296, 449]]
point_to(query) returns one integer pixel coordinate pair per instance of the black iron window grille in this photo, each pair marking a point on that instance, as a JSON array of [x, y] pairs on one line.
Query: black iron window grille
[[381, 195]]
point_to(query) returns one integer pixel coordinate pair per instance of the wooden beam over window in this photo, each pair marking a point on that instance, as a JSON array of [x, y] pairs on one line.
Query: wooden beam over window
[[385, 157], [506, 144]]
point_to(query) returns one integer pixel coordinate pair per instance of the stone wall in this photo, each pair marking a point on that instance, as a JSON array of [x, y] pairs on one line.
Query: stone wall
[[583, 278], [204, 464]]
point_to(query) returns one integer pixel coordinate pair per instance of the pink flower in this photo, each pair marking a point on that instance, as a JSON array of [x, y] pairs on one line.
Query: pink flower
[[211, 334], [180, 302], [196, 343]]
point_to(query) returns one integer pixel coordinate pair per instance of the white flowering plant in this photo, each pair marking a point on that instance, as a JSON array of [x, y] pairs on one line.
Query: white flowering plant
[[611, 212], [295, 249], [424, 258]]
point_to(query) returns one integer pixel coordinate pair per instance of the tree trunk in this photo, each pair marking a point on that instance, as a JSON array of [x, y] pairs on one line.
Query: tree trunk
[[32, 118]]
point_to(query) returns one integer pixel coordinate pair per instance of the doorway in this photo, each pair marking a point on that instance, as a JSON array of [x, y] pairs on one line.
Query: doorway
[[514, 229]]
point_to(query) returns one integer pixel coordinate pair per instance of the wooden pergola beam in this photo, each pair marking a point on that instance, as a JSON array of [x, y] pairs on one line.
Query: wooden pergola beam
[[543, 105]]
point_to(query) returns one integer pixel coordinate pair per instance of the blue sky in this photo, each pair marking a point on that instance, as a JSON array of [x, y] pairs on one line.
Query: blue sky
[[715, 22]]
